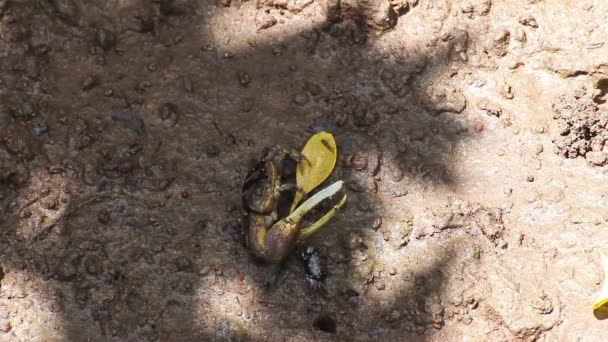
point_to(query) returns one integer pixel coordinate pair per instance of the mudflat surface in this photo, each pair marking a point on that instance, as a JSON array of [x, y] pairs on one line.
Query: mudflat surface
[[471, 134]]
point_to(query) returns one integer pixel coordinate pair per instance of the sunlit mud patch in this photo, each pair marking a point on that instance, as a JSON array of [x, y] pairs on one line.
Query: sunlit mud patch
[[224, 306], [29, 309], [43, 203]]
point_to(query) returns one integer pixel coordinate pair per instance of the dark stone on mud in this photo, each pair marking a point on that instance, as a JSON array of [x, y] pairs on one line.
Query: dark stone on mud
[[325, 323]]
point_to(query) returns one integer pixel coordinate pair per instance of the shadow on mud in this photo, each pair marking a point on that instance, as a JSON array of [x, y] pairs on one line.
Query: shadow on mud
[[144, 265]]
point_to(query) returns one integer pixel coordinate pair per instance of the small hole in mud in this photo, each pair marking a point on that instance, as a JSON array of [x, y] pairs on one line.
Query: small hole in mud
[[325, 323]]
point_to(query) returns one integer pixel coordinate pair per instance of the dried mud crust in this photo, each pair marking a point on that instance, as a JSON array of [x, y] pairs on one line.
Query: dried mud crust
[[127, 127], [583, 128]]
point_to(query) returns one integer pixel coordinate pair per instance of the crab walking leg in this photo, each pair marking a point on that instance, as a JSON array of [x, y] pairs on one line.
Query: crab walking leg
[[308, 231]]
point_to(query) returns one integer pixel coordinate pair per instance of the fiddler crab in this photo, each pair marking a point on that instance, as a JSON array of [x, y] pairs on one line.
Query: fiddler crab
[[269, 237]]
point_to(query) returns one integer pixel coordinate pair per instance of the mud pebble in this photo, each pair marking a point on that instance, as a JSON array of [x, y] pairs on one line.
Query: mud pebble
[[358, 161], [5, 326], [266, 21], [89, 83], [212, 151], [313, 88], [596, 158], [104, 216], [183, 264], [247, 104], [39, 126], [244, 79], [377, 223], [105, 39], [278, 50], [507, 92], [131, 120], [300, 99], [528, 20], [66, 8], [539, 129], [325, 323], [168, 114], [187, 83], [93, 265]]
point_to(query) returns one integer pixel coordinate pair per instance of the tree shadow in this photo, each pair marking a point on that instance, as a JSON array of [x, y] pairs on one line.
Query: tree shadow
[[145, 245]]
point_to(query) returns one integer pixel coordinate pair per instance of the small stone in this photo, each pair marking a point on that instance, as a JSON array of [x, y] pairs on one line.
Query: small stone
[[530, 178], [538, 148], [393, 271], [108, 92], [380, 286]]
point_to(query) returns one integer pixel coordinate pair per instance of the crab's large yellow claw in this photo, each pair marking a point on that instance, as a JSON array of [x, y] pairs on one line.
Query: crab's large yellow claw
[[320, 154], [600, 306]]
